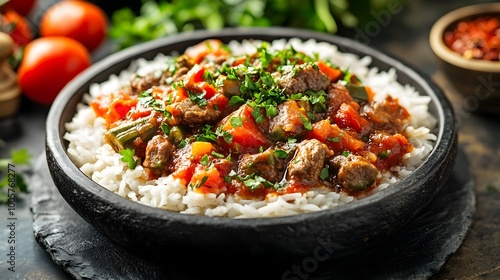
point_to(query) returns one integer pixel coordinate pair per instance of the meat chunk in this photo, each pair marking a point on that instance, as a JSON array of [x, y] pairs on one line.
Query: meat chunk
[[158, 152], [355, 173], [192, 114], [308, 161], [301, 78], [289, 122], [230, 87], [387, 116], [139, 83], [265, 164], [337, 95]]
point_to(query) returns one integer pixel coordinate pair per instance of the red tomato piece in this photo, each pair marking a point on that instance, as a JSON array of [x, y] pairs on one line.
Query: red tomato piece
[[208, 47], [389, 149], [246, 136], [335, 138], [348, 117], [207, 180], [332, 73]]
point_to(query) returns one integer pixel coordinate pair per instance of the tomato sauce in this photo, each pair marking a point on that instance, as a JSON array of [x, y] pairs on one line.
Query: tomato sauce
[[476, 39]]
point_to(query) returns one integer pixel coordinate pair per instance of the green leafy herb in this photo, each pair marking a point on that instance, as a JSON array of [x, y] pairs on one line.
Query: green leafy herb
[[346, 153], [197, 98], [11, 184], [254, 182], [165, 128], [384, 154], [205, 161], [217, 155], [333, 139], [324, 173], [236, 100], [281, 154], [128, 157], [236, 122], [147, 100], [306, 122], [199, 183], [358, 93]]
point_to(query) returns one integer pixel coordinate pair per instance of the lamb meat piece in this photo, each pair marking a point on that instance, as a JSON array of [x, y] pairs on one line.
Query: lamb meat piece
[[193, 114], [159, 152], [180, 74], [337, 94], [184, 61], [354, 173], [302, 78], [265, 164], [289, 122], [308, 161], [139, 83], [230, 87]]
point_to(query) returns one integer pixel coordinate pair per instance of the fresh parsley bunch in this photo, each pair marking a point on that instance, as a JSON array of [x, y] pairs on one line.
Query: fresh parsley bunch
[[159, 18]]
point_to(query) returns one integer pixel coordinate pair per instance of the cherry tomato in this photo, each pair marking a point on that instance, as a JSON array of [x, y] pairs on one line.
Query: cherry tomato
[[83, 21], [22, 7], [16, 26], [48, 64]]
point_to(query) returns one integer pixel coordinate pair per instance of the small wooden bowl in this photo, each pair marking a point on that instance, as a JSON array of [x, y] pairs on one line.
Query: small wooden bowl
[[476, 80]]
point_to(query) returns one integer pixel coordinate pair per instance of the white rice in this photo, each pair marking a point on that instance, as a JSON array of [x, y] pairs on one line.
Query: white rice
[[100, 162]]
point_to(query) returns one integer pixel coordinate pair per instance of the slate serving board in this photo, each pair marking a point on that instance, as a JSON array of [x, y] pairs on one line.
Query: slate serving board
[[418, 251]]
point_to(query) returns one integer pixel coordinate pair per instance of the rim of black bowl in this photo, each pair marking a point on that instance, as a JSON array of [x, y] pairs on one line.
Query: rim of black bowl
[[68, 100]]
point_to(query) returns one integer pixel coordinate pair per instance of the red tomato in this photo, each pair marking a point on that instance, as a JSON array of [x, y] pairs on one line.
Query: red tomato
[[48, 65], [16, 26], [80, 20], [22, 7]]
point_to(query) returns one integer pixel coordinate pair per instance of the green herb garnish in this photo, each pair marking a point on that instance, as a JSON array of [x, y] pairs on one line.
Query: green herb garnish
[[128, 157]]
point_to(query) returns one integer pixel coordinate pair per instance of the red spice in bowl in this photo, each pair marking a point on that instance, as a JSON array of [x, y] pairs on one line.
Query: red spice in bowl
[[476, 38]]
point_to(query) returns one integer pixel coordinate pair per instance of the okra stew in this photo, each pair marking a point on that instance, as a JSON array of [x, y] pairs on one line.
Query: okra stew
[[273, 122]]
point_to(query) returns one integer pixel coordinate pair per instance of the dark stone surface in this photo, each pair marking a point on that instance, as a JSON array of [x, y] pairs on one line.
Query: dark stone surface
[[416, 252]]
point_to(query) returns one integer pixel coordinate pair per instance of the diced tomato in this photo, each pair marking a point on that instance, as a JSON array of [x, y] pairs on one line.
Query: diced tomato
[[177, 96], [246, 138], [113, 107], [207, 180], [335, 138], [118, 109], [389, 149], [208, 47], [218, 101], [239, 61], [332, 73], [348, 117], [197, 84]]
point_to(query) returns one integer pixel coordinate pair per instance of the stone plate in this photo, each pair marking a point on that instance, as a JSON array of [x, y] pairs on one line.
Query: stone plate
[[418, 251]]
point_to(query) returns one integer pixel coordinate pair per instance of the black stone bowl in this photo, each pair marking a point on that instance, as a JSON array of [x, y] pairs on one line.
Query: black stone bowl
[[341, 231]]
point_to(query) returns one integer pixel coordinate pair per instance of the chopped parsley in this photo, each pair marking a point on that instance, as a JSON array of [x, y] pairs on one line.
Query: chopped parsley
[[384, 154], [128, 156]]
